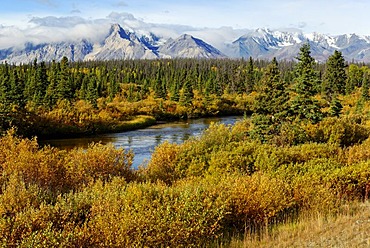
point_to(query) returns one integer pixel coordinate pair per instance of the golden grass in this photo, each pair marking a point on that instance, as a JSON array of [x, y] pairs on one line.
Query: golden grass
[[350, 228], [140, 121]]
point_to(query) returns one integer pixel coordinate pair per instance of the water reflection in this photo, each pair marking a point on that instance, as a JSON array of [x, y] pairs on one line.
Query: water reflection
[[142, 142], [158, 139], [185, 137]]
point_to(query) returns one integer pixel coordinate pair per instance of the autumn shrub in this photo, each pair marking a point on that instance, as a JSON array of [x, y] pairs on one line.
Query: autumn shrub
[[288, 134], [351, 182], [162, 165], [305, 152], [16, 196], [343, 131], [117, 214], [98, 162], [154, 215], [23, 157], [322, 184], [233, 157], [58, 224], [358, 152], [257, 200], [56, 170], [310, 193], [170, 162], [194, 155]]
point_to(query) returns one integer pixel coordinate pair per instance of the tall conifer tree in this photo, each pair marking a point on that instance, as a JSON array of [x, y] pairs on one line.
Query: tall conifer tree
[[304, 106], [335, 76]]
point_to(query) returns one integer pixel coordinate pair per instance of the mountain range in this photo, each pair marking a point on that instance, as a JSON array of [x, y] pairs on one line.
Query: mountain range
[[120, 43]]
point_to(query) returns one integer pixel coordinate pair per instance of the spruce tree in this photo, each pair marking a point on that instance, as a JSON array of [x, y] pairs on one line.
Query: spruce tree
[[365, 88], [51, 95], [41, 84], [250, 77], [355, 76], [335, 76], [5, 88], [113, 86], [304, 106], [175, 92], [186, 94], [64, 87], [17, 89], [335, 107], [91, 94], [271, 103], [273, 97]]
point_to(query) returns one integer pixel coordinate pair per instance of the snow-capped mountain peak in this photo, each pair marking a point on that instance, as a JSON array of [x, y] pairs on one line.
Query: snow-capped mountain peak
[[119, 43], [186, 46], [140, 42]]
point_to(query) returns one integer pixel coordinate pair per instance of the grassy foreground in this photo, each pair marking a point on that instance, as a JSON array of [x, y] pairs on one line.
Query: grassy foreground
[[350, 228]]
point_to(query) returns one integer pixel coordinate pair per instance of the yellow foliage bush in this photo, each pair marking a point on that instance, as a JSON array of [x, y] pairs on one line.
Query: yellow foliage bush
[[342, 131], [98, 162], [258, 198], [358, 152], [23, 158], [162, 165]]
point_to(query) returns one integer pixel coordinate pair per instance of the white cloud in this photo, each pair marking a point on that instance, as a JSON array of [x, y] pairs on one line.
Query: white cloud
[[53, 29], [217, 36], [120, 4], [56, 29], [128, 21], [62, 22]]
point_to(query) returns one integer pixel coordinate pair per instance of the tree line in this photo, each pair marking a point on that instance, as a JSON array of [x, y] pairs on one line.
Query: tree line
[[274, 91]]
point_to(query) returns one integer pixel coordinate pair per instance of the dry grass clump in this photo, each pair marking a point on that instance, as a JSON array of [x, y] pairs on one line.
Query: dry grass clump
[[350, 228]]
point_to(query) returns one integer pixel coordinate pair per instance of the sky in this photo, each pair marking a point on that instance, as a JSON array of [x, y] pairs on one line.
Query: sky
[[53, 19]]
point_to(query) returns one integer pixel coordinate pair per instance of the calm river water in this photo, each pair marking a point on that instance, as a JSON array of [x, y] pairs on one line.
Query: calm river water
[[143, 141]]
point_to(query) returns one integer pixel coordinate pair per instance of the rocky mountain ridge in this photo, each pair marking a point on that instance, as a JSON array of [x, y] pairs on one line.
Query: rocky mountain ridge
[[121, 43], [284, 45]]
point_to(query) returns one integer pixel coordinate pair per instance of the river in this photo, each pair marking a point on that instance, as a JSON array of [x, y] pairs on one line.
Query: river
[[143, 141]]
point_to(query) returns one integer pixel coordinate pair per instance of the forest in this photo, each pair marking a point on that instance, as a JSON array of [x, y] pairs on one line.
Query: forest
[[302, 150]]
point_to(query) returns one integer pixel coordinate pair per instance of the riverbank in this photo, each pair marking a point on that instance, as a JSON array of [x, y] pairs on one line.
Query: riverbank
[[50, 129], [143, 141], [62, 130]]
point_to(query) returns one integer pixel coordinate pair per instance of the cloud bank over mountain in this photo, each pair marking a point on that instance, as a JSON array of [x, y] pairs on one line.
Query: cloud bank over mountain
[[123, 36], [51, 29]]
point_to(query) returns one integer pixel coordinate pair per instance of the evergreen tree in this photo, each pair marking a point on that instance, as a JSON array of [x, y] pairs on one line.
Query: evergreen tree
[[113, 86], [91, 94], [365, 88], [83, 89], [335, 76], [186, 94], [175, 92], [157, 84], [240, 80], [355, 75], [17, 89], [64, 87], [159, 89], [304, 106], [30, 83], [272, 98], [5, 88], [271, 104], [250, 77], [335, 107], [41, 84]]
